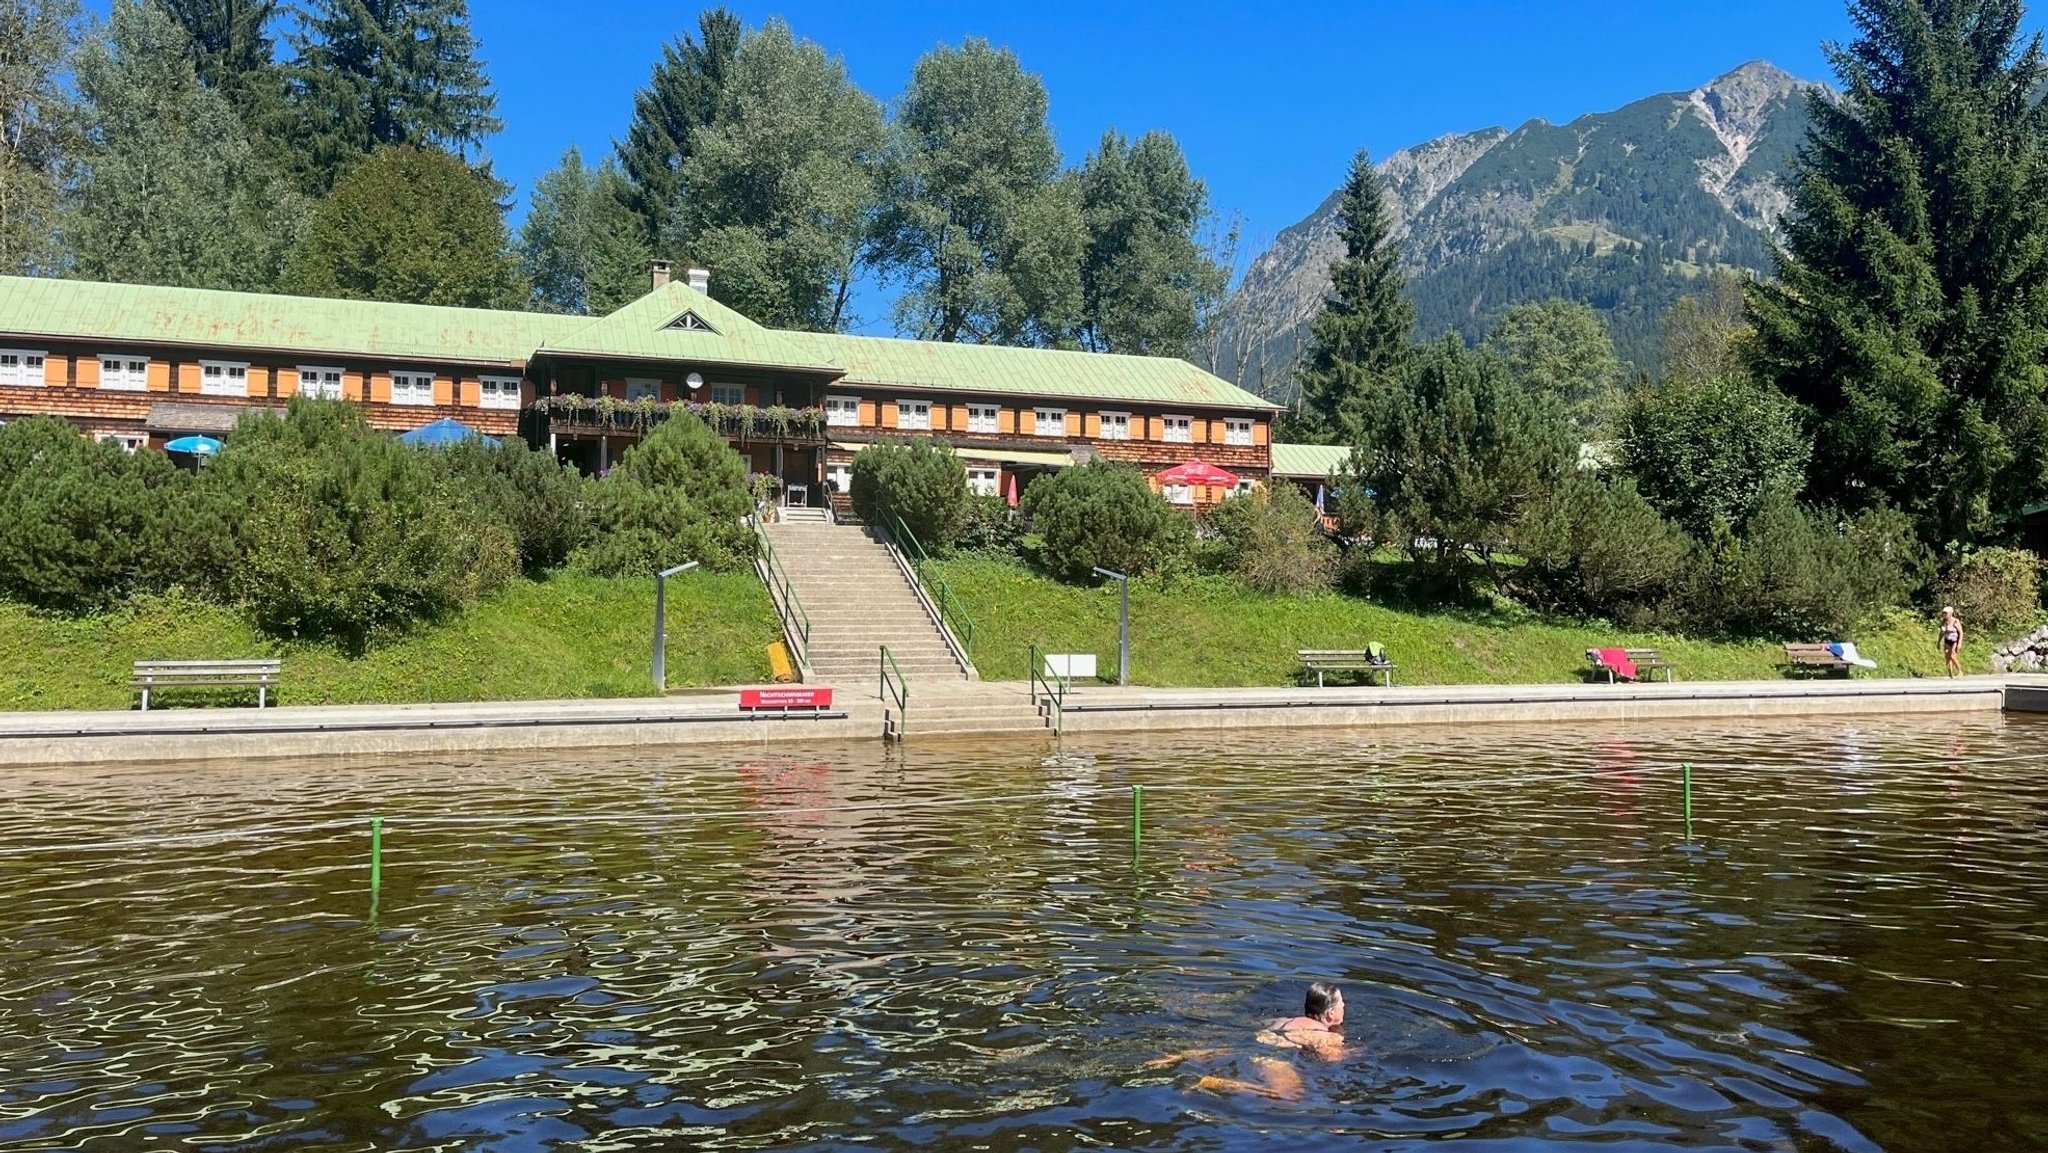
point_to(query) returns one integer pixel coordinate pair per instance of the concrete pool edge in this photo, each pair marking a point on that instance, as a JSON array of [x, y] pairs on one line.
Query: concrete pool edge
[[714, 718]]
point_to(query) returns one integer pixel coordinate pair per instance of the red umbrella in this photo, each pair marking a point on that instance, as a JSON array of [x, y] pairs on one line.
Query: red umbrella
[[1198, 472]]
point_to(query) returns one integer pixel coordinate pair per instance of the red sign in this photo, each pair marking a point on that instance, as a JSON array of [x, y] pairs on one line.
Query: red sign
[[794, 697]]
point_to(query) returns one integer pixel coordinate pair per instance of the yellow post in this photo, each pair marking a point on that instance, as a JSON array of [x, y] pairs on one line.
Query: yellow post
[[779, 664]]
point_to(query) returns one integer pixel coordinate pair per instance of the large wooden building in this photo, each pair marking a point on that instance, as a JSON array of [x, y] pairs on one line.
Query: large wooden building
[[142, 365]]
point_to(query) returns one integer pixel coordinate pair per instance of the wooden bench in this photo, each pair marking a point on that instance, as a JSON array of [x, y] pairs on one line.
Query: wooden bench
[[1817, 658], [1648, 662], [151, 676], [1321, 661]]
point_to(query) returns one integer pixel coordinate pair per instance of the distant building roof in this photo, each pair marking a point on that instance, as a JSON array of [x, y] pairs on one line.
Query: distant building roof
[[202, 318], [675, 322], [1309, 461]]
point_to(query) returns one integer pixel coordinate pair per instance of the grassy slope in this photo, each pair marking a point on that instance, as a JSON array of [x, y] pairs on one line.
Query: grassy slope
[[1210, 631], [568, 636]]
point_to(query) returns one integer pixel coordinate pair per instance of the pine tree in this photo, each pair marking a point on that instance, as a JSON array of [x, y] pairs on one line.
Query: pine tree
[[581, 245], [779, 193], [39, 141], [1910, 315], [373, 73], [235, 54], [1147, 281], [173, 192], [1363, 336], [683, 98]]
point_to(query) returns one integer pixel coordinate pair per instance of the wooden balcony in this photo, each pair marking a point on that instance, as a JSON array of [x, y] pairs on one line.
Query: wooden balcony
[[573, 412]]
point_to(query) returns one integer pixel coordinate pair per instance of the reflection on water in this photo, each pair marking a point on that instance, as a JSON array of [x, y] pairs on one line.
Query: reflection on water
[[680, 950]]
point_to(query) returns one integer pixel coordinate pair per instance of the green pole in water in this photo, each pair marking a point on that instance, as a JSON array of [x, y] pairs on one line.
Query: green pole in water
[[1137, 817], [1688, 802], [376, 858]]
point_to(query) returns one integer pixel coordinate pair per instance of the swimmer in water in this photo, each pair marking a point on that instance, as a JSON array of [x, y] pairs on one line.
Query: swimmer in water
[[1315, 1032]]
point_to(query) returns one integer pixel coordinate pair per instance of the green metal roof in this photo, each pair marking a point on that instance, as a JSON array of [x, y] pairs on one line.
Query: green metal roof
[[1048, 373], [152, 314], [641, 331], [1314, 461]]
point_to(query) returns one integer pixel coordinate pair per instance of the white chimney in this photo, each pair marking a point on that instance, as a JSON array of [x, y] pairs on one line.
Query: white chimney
[[658, 273], [700, 280]]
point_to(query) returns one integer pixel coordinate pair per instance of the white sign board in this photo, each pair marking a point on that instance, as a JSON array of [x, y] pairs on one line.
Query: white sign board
[[1070, 666]]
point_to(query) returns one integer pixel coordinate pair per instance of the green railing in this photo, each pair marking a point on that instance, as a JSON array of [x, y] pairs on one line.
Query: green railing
[[796, 623], [950, 609], [1054, 708], [896, 688]]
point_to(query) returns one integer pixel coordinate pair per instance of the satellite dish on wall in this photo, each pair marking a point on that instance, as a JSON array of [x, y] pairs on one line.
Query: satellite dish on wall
[[695, 381]]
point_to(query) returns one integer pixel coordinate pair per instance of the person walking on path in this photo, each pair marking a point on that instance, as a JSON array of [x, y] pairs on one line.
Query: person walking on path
[[1952, 640]]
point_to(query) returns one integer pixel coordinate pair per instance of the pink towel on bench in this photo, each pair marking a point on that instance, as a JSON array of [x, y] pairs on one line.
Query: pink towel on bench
[[1617, 659]]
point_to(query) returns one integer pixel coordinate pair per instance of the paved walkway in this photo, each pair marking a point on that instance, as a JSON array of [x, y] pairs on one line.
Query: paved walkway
[[955, 710]]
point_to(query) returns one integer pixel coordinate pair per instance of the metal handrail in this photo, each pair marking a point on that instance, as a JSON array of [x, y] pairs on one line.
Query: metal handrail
[[1055, 707], [950, 609], [901, 693], [796, 623]]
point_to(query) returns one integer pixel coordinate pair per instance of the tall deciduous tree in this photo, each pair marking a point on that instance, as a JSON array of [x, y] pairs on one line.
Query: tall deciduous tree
[[683, 98], [174, 193], [1561, 347], [1910, 315], [38, 129], [372, 73], [581, 245], [415, 225], [1147, 281], [978, 219], [1705, 333], [1361, 339], [778, 194]]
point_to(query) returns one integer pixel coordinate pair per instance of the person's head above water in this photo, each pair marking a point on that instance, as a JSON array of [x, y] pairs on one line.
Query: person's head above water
[[1325, 1003]]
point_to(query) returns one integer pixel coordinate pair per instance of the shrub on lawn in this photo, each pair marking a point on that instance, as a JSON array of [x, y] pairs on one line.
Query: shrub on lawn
[[535, 496], [1270, 539], [991, 527], [1103, 515], [679, 495], [920, 481], [1595, 547], [1995, 589], [1803, 574]]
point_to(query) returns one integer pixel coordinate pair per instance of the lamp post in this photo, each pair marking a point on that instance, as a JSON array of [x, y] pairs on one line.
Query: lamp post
[[661, 623], [1123, 624]]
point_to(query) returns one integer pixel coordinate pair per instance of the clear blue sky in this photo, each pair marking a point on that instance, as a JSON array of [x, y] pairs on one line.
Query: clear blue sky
[[1269, 100]]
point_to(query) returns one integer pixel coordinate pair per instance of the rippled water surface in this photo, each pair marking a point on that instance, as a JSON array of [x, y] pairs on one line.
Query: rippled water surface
[[720, 950]]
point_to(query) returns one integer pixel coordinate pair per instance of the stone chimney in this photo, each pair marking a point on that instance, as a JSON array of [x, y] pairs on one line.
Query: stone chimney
[[700, 280], [658, 274]]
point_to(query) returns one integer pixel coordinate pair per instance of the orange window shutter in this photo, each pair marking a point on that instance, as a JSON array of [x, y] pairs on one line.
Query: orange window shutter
[[352, 386], [444, 390], [157, 377], [380, 388], [88, 372], [469, 393]]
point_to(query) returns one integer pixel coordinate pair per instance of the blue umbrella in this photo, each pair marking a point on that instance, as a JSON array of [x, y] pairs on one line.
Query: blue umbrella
[[196, 445], [444, 431]]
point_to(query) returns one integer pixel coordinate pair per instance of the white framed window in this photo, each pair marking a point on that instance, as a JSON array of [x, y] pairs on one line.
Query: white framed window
[[981, 418], [914, 414], [21, 368], [1116, 426], [412, 388], [124, 373], [319, 383], [842, 412], [731, 394], [983, 481], [1180, 430], [130, 442], [1237, 431], [1049, 422], [497, 392], [223, 378], [1180, 494], [637, 390]]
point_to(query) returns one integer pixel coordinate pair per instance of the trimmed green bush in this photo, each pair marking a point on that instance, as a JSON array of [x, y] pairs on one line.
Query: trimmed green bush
[[1995, 589], [679, 495], [1270, 539], [920, 481], [1594, 547], [1101, 514], [538, 498]]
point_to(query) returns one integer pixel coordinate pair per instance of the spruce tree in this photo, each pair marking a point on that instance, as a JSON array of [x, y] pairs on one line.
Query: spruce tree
[[375, 73], [1362, 338], [683, 98], [1910, 314]]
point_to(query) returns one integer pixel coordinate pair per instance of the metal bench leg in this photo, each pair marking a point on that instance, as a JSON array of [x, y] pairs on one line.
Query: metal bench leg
[[1319, 678], [145, 698], [262, 692]]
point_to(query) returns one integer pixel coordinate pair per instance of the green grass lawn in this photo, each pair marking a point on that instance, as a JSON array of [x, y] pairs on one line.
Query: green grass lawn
[[570, 635], [1211, 631]]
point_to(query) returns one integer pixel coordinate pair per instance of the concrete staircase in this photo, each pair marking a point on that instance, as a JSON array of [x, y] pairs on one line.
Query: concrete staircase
[[858, 600]]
